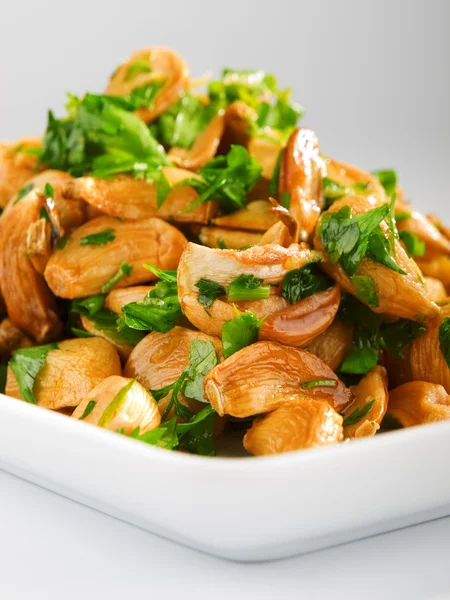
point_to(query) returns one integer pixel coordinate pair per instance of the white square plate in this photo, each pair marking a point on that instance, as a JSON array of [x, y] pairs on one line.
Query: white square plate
[[238, 508]]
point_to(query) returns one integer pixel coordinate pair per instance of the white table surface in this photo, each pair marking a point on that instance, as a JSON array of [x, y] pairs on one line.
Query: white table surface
[[52, 548]]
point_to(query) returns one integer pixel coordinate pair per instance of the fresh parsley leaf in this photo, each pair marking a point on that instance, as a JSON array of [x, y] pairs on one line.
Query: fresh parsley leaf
[[358, 414], [136, 68], [182, 123], [414, 246], [365, 289], [81, 333], [197, 435], [144, 95], [247, 287], [444, 339], [98, 239], [396, 336], [286, 200], [388, 179], [319, 383], [304, 282], [402, 215], [48, 190], [26, 364], [390, 423], [164, 436], [348, 239], [202, 357], [88, 306], [209, 291], [240, 332], [89, 408], [43, 214], [165, 275], [221, 244], [123, 271], [366, 336], [332, 190], [23, 192], [158, 311], [227, 178], [63, 242]]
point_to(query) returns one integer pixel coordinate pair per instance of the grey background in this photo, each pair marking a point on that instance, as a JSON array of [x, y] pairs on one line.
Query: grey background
[[373, 75]]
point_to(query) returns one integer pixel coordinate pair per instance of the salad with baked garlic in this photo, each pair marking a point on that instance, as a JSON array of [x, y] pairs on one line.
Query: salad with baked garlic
[[180, 261]]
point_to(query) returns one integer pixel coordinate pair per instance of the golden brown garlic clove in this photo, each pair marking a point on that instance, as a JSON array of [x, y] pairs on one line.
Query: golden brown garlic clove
[[16, 167], [419, 402], [124, 350], [333, 345], [301, 173], [162, 64], [436, 290], [119, 404], [31, 305], [213, 237], [79, 270], [70, 372], [265, 375], [371, 389], [116, 299], [130, 198], [350, 177], [266, 151], [299, 424], [256, 216], [11, 338]]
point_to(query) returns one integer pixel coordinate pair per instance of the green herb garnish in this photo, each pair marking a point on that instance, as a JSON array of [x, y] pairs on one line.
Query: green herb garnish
[[89, 408], [136, 68], [98, 239], [247, 287], [319, 383], [388, 179], [304, 282], [365, 289], [414, 246], [396, 336], [240, 332], [444, 339], [26, 364], [209, 291], [358, 414], [23, 192], [123, 271]]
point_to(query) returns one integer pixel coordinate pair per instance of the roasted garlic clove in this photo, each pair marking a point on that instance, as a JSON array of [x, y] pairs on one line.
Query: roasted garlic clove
[[82, 270], [237, 117], [16, 167], [266, 151], [299, 424], [11, 338], [31, 306], [265, 375], [278, 234], [427, 361], [214, 237], [436, 290], [301, 173], [425, 230], [70, 372], [373, 390], [419, 402], [256, 216], [124, 350], [116, 299], [398, 295], [39, 244], [204, 147], [439, 268], [130, 198], [299, 323], [269, 263], [158, 64], [333, 345], [119, 404], [357, 180], [159, 359]]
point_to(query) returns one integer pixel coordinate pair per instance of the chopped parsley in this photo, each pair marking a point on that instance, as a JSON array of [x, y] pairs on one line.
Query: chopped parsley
[[365, 289], [319, 383], [221, 244], [123, 271], [304, 282], [348, 239], [98, 239], [116, 404], [23, 192], [136, 68], [358, 414], [160, 310], [247, 287], [89, 408], [181, 123], [26, 364], [227, 178], [414, 246], [209, 291], [444, 339], [240, 332], [49, 191], [402, 215], [388, 179], [399, 334], [63, 242]]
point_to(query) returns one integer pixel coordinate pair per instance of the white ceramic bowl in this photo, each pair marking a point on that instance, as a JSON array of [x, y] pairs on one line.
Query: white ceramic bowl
[[239, 508]]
